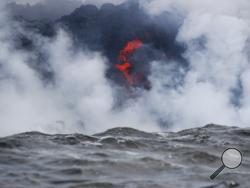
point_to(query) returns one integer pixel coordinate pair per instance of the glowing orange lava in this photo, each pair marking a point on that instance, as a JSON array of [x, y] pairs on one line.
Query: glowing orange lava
[[126, 66]]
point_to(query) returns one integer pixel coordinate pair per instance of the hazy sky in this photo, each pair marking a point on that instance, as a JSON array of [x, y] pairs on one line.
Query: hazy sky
[[51, 9], [25, 1], [98, 2]]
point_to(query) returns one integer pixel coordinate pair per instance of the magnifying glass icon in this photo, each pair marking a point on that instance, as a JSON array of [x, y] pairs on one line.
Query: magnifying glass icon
[[231, 158]]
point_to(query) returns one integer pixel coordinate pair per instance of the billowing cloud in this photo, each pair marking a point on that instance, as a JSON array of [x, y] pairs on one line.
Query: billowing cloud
[[50, 9], [212, 88], [47, 9], [215, 88]]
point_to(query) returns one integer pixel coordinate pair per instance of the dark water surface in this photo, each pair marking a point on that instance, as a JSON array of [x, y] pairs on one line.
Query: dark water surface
[[124, 158]]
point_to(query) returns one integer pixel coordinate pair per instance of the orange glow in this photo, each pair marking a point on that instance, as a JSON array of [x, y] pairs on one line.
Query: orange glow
[[125, 67]]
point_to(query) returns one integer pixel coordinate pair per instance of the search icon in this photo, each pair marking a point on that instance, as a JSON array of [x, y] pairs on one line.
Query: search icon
[[231, 158]]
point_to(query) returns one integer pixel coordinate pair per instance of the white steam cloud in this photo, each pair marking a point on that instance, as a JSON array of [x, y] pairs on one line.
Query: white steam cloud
[[216, 88], [80, 99], [218, 67]]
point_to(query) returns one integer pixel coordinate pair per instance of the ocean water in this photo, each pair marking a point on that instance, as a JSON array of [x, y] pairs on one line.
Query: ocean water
[[124, 158]]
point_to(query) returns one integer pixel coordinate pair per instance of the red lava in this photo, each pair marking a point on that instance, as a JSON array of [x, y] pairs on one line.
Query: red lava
[[126, 66]]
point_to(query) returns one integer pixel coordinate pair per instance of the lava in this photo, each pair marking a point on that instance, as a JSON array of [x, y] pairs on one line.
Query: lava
[[126, 66]]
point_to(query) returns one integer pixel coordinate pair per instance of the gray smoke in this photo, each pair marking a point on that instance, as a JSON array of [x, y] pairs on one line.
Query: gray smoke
[[216, 86], [47, 9], [214, 89], [50, 9]]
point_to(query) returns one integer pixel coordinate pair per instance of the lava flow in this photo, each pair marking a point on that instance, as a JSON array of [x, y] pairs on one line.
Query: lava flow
[[126, 66]]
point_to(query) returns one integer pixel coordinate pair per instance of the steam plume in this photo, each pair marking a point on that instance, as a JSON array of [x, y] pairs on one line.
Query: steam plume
[[198, 68]]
